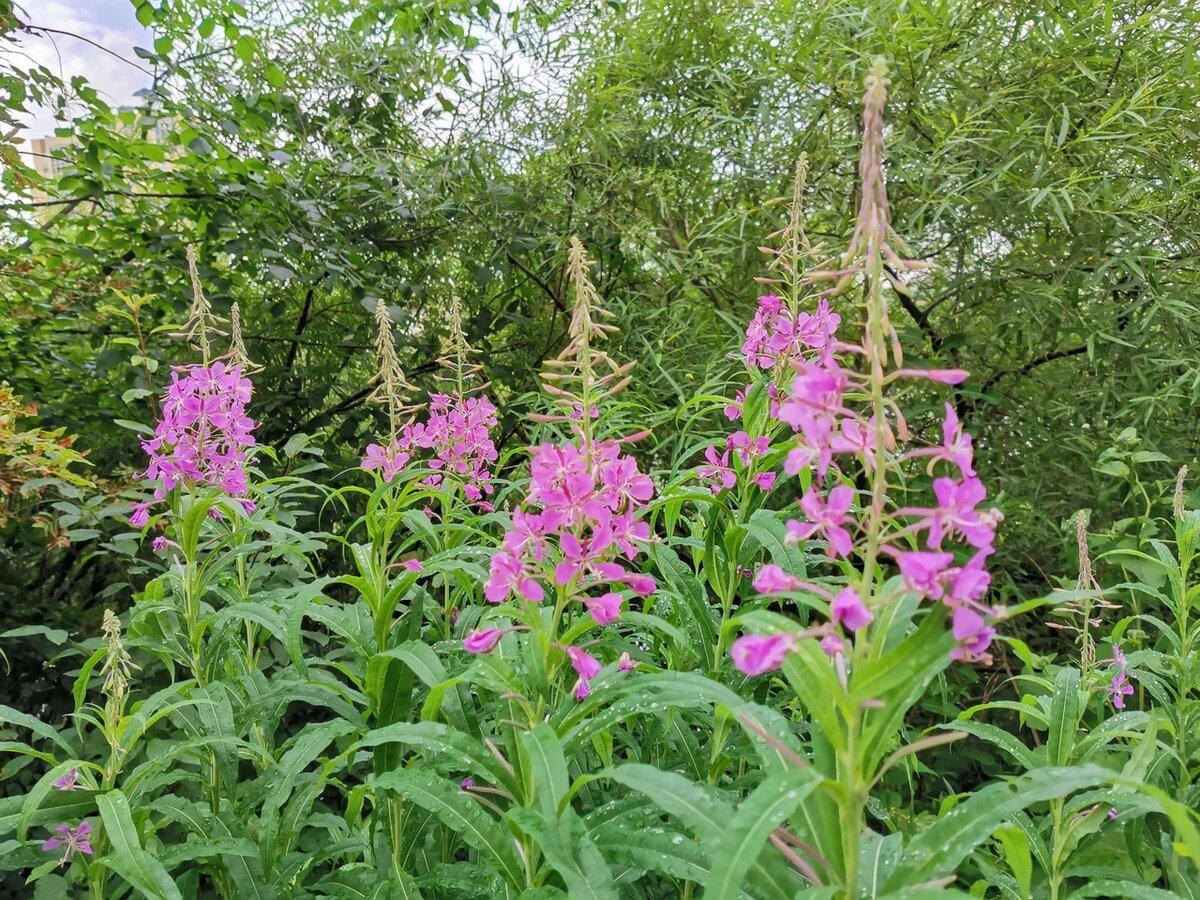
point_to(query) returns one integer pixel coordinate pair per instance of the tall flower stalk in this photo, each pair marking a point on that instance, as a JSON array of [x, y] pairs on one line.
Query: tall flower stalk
[[838, 666], [199, 453], [580, 524]]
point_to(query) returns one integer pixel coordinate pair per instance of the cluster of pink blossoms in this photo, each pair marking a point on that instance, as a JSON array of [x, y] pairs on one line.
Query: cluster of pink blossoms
[[828, 432], [458, 434], [774, 335], [587, 526], [203, 435]]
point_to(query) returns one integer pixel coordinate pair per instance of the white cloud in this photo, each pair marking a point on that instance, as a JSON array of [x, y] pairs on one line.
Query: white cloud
[[109, 23]]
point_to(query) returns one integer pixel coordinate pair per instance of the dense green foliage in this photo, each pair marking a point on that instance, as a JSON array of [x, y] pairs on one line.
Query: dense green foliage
[[284, 706]]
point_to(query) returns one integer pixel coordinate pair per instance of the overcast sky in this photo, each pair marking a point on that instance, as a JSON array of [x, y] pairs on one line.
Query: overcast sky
[[110, 23]]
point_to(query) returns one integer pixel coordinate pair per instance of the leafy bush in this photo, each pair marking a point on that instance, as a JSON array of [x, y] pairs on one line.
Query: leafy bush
[[615, 672]]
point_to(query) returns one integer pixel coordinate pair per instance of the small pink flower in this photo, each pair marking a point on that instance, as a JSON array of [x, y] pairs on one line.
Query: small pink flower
[[922, 571], [604, 609], [74, 839], [1112, 814], [755, 654], [974, 636], [717, 471], [848, 610], [1119, 687], [140, 516], [586, 665], [642, 585], [733, 411], [832, 645], [625, 663], [467, 783], [412, 565], [508, 576], [828, 517], [160, 543], [69, 782], [483, 641], [773, 580], [582, 689], [764, 480]]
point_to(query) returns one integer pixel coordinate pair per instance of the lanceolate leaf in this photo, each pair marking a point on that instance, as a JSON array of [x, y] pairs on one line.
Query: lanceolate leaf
[[938, 850], [462, 815], [746, 834], [126, 856]]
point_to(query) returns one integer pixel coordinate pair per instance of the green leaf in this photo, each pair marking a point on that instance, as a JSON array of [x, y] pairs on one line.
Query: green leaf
[[1006, 741], [767, 807], [542, 752], [938, 850], [1064, 718], [461, 814], [570, 851], [126, 856], [10, 716]]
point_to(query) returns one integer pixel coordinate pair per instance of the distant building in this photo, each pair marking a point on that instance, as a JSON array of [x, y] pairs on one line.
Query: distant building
[[50, 164]]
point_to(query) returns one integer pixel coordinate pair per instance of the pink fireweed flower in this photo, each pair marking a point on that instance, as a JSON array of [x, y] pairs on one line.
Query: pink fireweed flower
[[956, 513], [508, 576], [204, 432], [68, 782], [956, 444], [733, 411], [467, 783], [773, 580], [764, 480], [585, 665], [626, 531], [816, 447], [604, 609], [817, 389], [141, 515], [528, 533], [1119, 687], [621, 481], [756, 349], [458, 432], [640, 584], [75, 840], [828, 517], [832, 645], [849, 611], [974, 635], [747, 448], [412, 565], [483, 640], [390, 460], [754, 654], [922, 571], [625, 663], [775, 336], [582, 689], [717, 471], [969, 583]]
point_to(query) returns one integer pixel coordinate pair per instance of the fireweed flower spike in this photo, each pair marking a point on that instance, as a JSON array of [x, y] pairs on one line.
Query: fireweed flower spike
[[455, 438], [75, 840], [829, 434], [847, 428], [204, 434], [579, 527]]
